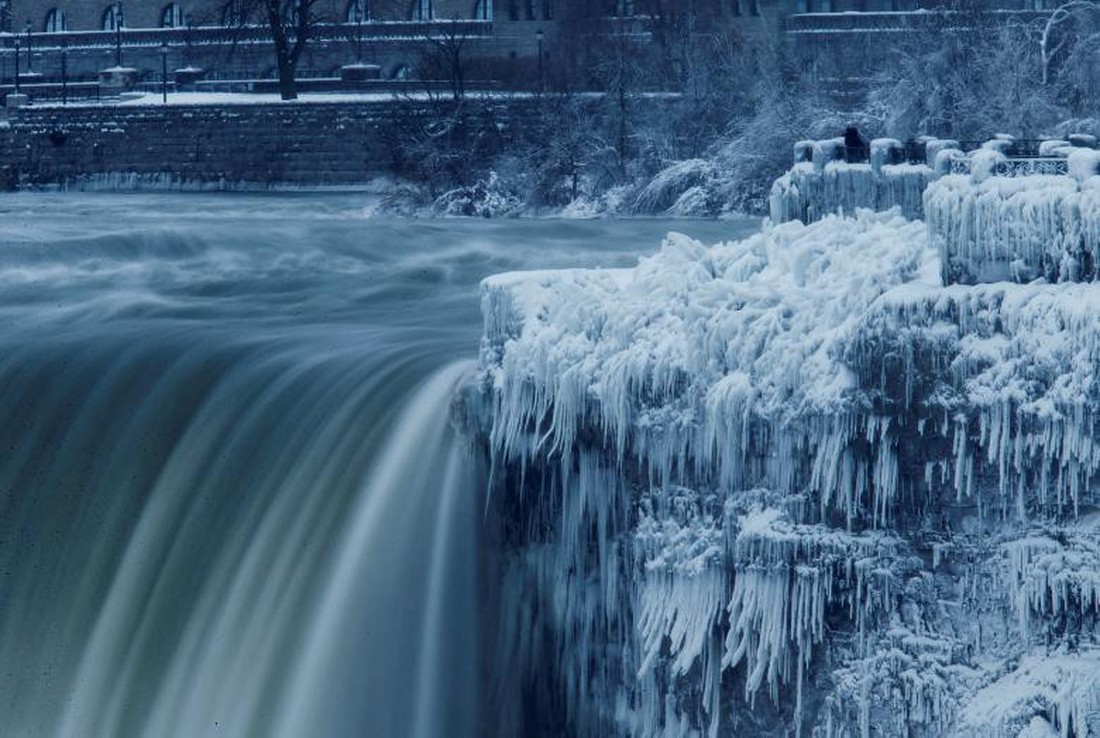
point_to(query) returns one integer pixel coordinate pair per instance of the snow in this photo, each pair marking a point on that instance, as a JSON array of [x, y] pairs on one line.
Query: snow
[[1016, 228], [803, 470], [657, 357], [1047, 695], [808, 193]]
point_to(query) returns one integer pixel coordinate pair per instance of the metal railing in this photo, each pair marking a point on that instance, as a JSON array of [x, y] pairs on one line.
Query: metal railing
[[223, 35]]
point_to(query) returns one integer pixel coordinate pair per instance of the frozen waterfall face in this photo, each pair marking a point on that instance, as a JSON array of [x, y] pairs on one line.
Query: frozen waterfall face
[[794, 484]]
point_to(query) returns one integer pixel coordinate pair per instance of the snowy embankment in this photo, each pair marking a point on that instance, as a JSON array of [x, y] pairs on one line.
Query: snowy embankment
[[795, 482]]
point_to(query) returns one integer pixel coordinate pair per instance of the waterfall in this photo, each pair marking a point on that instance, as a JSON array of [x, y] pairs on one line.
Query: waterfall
[[199, 532], [417, 671]]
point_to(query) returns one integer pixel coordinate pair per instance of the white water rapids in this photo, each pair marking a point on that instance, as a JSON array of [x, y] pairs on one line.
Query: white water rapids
[[231, 499]]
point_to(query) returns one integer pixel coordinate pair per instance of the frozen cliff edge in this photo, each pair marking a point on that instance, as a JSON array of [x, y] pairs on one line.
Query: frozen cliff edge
[[794, 483]]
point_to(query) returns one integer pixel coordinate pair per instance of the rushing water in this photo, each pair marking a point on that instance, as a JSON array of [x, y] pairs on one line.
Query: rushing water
[[231, 502]]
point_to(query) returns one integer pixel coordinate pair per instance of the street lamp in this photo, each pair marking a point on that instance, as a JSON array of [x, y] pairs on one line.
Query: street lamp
[[359, 31], [539, 35], [188, 26], [64, 71], [118, 35], [164, 71]]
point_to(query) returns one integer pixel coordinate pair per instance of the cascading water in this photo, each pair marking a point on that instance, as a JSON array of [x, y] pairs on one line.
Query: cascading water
[[231, 502]]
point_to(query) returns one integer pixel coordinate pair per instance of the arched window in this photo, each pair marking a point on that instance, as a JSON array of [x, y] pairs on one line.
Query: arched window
[[171, 16], [358, 11], [402, 71], [421, 10], [483, 10], [55, 20], [109, 19]]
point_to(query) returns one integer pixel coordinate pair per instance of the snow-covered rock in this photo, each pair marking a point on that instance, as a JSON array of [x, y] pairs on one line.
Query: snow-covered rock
[[796, 484]]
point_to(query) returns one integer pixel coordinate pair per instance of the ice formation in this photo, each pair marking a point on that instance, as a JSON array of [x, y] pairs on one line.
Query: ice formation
[[829, 184], [796, 484], [1016, 228]]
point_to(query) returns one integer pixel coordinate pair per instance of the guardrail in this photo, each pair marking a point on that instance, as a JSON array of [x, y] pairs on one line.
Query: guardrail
[[864, 22]]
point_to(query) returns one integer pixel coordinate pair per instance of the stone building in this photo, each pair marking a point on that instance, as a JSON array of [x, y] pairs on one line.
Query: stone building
[[503, 40]]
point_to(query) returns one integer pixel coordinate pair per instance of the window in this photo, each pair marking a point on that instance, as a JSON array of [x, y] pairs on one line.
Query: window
[[358, 11], [55, 20], [232, 14], [109, 19], [421, 10], [754, 7], [735, 7], [171, 16], [624, 8], [483, 10], [547, 9]]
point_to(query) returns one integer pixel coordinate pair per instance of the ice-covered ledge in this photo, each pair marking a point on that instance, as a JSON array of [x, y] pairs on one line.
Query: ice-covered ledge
[[796, 481]]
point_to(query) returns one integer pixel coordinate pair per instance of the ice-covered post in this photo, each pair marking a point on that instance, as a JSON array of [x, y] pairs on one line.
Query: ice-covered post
[[885, 151], [803, 152]]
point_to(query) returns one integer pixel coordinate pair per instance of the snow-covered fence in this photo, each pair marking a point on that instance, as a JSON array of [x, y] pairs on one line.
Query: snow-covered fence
[[829, 177]]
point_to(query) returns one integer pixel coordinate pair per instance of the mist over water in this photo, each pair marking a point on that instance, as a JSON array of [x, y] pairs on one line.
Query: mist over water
[[231, 502]]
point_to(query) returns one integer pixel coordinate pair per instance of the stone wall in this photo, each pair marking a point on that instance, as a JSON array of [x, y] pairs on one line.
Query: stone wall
[[260, 145]]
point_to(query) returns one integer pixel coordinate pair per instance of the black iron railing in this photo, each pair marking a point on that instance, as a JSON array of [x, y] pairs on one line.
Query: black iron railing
[[218, 35]]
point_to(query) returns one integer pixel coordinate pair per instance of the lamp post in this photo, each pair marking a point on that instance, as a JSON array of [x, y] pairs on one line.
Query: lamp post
[[359, 31], [64, 71], [539, 36], [188, 25], [118, 35], [164, 72]]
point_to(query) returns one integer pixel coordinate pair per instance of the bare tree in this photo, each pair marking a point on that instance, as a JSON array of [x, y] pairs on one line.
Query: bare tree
[[1050, 44], [445, 55], [290, 22]]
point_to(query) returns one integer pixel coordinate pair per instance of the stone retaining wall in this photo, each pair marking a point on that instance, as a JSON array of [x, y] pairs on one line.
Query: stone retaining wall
[[262, 145]]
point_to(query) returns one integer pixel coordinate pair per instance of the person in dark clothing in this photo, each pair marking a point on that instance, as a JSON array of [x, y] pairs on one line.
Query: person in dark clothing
[[856, 147]]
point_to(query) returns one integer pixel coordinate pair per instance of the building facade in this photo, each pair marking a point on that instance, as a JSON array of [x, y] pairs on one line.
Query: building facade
[[504, 40]]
